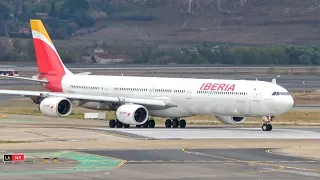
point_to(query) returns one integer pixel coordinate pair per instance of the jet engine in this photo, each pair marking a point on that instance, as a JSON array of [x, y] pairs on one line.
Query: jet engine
[[132, 114], [230, 119], [55, 106]]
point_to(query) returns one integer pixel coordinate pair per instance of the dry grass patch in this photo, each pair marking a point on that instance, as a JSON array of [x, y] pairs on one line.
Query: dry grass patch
[[306, 96]]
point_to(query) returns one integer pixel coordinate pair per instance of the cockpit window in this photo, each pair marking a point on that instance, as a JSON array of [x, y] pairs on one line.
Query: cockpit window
[[280, 94]]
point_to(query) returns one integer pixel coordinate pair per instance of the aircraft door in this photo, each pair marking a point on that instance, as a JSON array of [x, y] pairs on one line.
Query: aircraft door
[[256, 95], [152, 91], [105, 91], [188, 95]]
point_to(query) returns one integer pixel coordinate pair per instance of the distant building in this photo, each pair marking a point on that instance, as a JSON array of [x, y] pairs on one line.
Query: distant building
[[42, 15], [98, 51], [24, 31], [111, 59], [100, 56]]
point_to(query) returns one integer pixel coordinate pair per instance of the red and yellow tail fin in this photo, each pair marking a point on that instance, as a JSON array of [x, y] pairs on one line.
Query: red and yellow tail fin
[[48, 59]]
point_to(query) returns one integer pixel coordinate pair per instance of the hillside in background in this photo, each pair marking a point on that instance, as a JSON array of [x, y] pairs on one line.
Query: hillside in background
[[168, 31], [236, 21]]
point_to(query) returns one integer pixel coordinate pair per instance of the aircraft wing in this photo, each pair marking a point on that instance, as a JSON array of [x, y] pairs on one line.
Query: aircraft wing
[[24, 78], [149, 102], [84, 73]]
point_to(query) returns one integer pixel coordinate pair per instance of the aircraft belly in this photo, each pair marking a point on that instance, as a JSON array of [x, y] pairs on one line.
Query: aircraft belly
[[170, 112]]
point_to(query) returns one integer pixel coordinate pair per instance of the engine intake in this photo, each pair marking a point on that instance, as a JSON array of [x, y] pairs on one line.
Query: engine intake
[[132, 114], [231, 119], [56, 106]]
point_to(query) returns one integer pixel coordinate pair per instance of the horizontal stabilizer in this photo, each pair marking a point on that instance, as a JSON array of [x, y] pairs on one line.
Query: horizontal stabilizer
[[24, 78]]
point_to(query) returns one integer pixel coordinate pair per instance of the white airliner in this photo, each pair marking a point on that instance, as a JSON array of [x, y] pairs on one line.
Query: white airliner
[[134, 99]]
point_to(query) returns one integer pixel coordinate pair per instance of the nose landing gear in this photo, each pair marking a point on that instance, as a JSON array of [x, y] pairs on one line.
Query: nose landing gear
[[267, 123]]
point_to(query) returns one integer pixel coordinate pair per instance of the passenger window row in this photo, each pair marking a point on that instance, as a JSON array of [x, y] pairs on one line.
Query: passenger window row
[[163, 90], [219, 92], [156, 90], [179, 91], [83, 87], [130, 89]]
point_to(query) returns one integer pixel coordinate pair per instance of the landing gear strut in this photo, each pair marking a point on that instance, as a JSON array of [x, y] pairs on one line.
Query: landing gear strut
[[175, 123], [267, 123]]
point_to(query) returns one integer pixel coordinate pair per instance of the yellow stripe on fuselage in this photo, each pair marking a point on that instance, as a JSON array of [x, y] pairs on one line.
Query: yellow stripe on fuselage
[[36, 25]]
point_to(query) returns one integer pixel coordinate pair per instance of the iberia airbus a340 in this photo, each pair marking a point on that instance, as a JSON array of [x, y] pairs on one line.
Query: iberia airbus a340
[[134, 99]]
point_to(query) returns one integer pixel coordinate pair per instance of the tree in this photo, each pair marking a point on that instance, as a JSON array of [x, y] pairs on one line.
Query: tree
[[53, 12], [4, 12], [72, 6], [23, 8]]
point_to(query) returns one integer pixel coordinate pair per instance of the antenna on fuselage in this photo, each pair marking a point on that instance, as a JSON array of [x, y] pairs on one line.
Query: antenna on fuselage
[[274, 81], [257, 79]]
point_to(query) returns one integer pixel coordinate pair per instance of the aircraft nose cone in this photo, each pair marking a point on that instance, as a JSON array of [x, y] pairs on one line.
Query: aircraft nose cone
[[290, 102], [284, 104], [287, 103]]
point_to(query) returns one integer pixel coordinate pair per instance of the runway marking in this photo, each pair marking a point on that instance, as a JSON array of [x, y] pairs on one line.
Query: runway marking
[[256, 162], [98, 155], [51, 138], [213, 161], [271, 151], [170, 161], [97, 164], [121, 163]]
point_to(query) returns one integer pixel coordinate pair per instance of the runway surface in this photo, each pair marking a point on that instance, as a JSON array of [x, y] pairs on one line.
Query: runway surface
[[85, 151], [216, 133], [167, 164]]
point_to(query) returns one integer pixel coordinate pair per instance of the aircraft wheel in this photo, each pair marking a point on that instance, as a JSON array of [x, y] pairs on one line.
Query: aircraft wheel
[[138, 126], [146, 124], [182, 123], [112, 123], [266, 127], [168, 123], [175, 123], [119, 124], [152, 123], [126, 125]]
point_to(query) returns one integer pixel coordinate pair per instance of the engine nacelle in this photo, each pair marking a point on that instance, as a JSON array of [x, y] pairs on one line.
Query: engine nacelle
[[132, 114], [230, 119], [55, 106]]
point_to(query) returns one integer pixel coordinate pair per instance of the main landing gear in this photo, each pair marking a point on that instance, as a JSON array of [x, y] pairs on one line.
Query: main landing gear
[[267, 123], [118, 124], [175, 123]]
